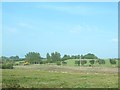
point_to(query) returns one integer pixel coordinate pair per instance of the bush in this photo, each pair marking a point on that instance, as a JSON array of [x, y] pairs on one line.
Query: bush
[[92, 62], [101, 61], [64, 63], [43, 61], [7, 66], [83, 62], [112, 61], [89, 65], [58, 63], [77, 62]]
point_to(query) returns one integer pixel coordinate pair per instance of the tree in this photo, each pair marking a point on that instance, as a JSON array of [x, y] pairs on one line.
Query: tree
[[83, 62], [64, 63], [55, 56], [101, 61], [90, 56], [4, 58], [73, 57], [82, 57], [92, 62], [66, 57], [33, 57], [78, 56], [7, 66], [112, 61], [77, 62], [48, 58], [14, 58]]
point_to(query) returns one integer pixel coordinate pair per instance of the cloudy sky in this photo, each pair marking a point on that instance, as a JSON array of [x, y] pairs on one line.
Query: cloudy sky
[[69, 28]]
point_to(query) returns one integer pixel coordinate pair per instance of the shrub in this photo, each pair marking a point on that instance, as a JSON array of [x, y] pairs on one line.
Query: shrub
[[43, 61], [77, 62], [58, 63], [92, 62], [64, 63], [112, 61], [7, 66], [101, 61], [89, 65], [83, 62], [16, 63]]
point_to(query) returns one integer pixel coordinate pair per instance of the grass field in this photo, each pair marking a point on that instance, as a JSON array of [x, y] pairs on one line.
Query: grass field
[[53, 76], [71, 62]]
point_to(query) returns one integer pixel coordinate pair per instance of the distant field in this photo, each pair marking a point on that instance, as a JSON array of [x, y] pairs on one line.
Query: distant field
[[53, 76], [71, 62]]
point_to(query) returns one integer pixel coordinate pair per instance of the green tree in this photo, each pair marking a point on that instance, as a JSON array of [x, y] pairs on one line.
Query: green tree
[[55, 56], [33, 57], [14, 58], [82, 57], [7, 66], [4, 58], [83, 62], [73, 57], [48, 58], [92, 62], [78, 56], [101, 61], [77, 62], [90, 56], [66, 57], [64, 63], [112, 61]]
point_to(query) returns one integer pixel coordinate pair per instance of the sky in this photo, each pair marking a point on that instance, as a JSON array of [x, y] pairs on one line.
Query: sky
[[67, 27]]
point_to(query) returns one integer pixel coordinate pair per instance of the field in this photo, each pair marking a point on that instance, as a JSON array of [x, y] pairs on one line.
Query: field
[[53, 76]]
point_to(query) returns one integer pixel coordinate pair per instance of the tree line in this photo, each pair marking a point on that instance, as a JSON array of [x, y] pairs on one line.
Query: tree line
[[55, 57], [51, 57]]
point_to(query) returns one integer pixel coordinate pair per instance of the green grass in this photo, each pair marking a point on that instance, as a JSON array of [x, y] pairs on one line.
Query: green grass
[[52, 76]]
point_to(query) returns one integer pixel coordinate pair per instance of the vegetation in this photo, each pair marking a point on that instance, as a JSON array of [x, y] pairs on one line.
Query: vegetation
[[77, 62], [101, 61], [112, 61], [55, 71], [58, 63], [92, 62], [64, 63], [66, 57], [52, 76], [7, 66], [89, 56], [14, 58], [33, 57], [83, 62], [48, 58], [55, 56]]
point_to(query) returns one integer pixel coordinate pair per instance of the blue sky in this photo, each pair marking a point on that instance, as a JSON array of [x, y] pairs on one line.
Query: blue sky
[[69, 28]]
